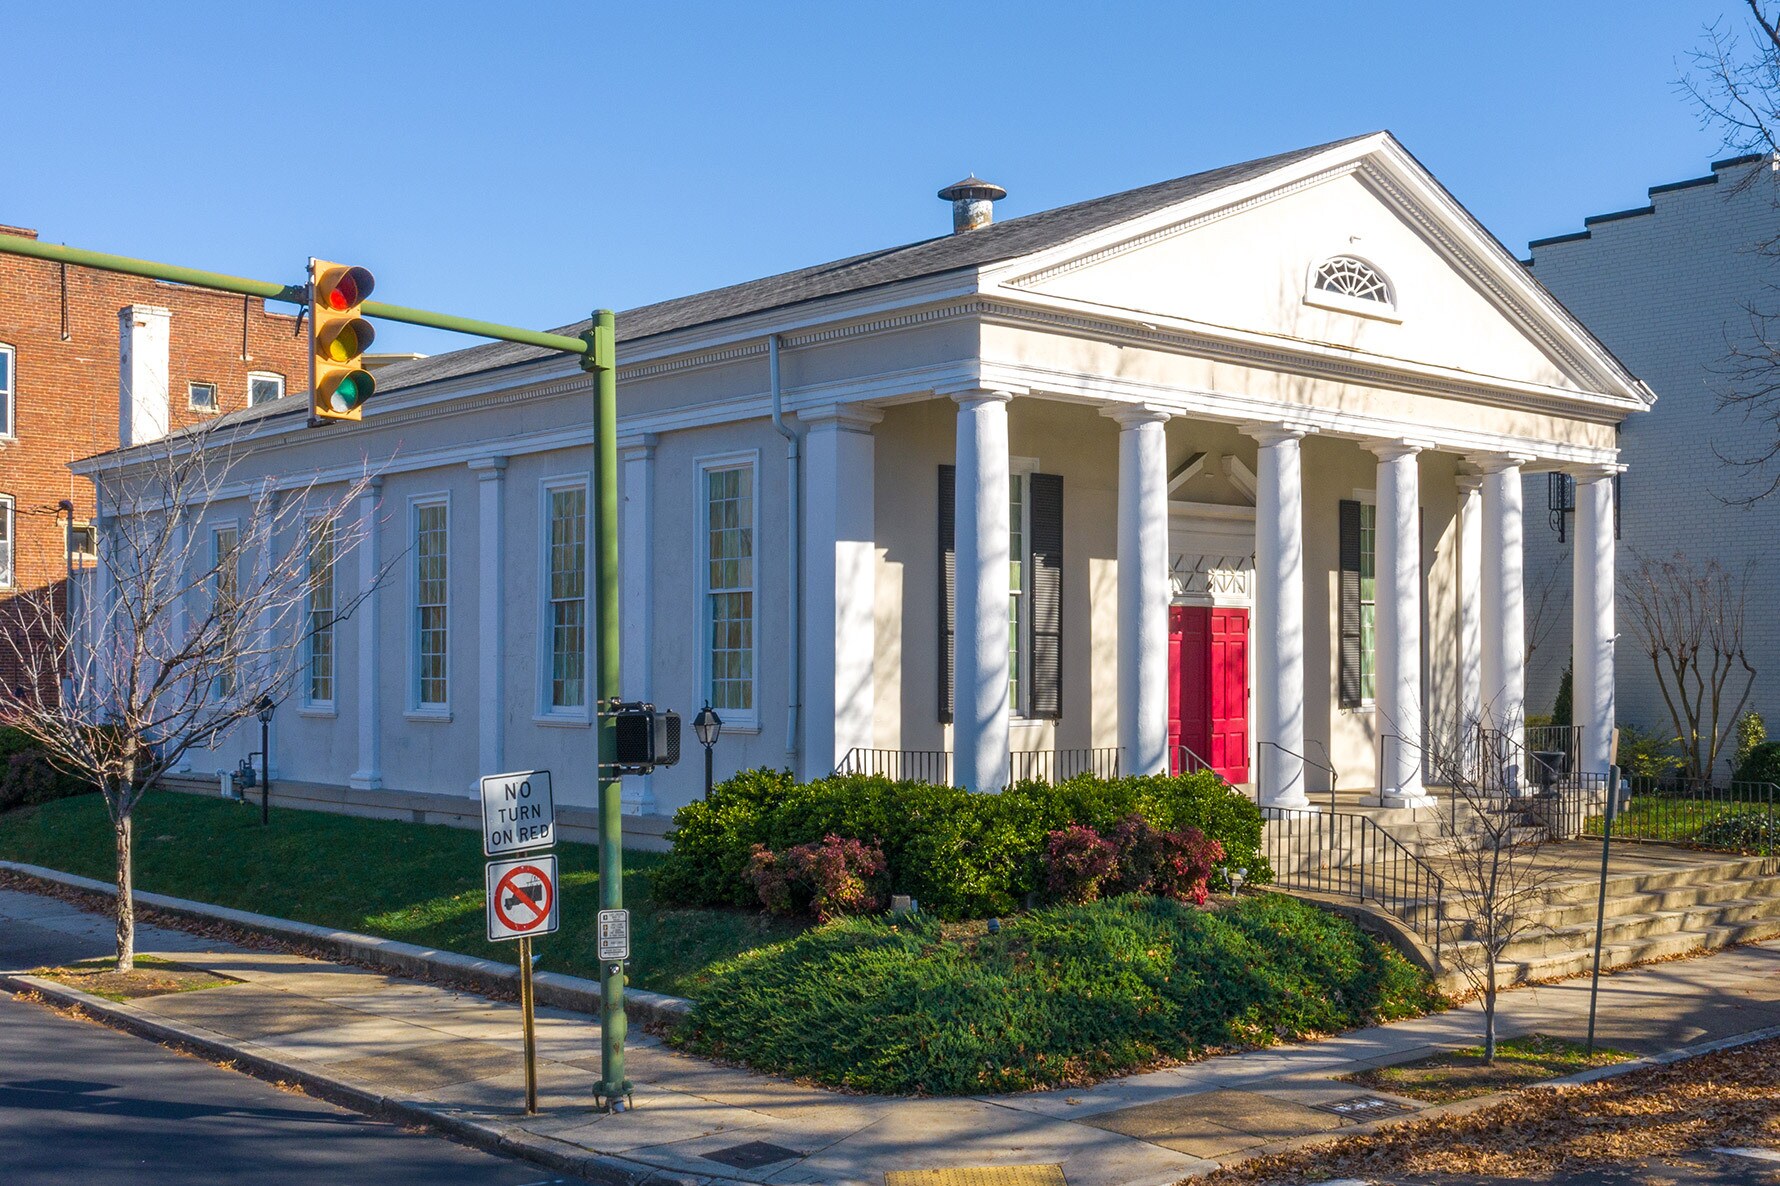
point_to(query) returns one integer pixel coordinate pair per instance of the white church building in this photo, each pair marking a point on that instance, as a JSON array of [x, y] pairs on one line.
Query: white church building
[[1226, 469]]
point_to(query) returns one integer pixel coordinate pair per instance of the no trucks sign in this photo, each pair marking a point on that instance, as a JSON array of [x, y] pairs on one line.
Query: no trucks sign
[[522, 898], [518, 812]]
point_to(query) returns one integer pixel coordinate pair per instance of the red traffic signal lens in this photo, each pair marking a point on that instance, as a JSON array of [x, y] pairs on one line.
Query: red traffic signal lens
[[347, 287]]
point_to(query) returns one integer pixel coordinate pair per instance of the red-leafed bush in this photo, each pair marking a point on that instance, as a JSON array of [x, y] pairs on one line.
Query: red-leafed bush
[[1133, 858], [833, 877], [1078, 860]]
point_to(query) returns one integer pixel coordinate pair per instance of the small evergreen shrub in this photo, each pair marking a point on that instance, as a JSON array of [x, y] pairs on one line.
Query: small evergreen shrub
[[1645, 755], [1762, 764], [828, 879], [1561, 710], [1078, 861], [1752, 833], [1752, 731], [962, 855], [26, 775]]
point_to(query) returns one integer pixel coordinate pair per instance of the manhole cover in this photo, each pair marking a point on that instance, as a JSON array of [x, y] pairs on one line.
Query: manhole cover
[[1365, 1107], [752, 1155], [992, 1175]]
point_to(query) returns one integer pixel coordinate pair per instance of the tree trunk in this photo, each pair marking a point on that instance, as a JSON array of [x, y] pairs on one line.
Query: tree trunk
[[126, 901], [1489, 1015]]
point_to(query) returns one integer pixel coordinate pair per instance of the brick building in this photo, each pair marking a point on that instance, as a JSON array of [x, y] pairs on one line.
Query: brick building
[[1667, 287], [90, 360]]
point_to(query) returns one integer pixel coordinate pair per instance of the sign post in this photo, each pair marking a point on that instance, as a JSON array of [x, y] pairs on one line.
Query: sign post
[[518, 814]]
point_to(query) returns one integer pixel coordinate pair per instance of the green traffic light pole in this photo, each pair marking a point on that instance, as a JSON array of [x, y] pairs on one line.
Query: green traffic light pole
[[598, 351]]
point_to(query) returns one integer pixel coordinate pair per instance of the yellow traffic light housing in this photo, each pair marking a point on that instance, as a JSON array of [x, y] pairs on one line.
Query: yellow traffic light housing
[[339, 383]]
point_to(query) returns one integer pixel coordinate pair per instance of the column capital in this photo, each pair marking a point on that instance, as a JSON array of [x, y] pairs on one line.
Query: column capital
[[1135, 415], [488, 469], [1595, 471], [635, 445], [840, 417], [373, 486], [1468, 483], [1274, 432], [970, 396], [1495, 463], [1394, 448]]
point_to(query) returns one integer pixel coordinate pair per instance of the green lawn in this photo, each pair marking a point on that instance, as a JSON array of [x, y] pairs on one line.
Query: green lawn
[[1461, 1074], [1681, 820], [413, 882]]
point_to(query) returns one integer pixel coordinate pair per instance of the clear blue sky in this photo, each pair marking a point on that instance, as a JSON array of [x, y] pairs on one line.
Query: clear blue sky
[[574, 155]]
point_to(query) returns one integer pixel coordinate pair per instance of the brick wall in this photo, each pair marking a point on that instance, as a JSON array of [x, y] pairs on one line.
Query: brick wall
[[1663, 289], [62, 325]]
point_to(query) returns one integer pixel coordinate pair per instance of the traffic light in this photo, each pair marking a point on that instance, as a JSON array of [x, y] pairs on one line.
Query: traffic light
[[339, 384], [646, 737]]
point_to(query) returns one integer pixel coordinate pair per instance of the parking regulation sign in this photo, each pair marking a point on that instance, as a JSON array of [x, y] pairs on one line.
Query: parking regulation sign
[[522, 899], [518, 812]]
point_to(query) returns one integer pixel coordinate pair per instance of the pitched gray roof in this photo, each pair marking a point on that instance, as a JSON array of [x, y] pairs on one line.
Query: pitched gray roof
[[947, 253]]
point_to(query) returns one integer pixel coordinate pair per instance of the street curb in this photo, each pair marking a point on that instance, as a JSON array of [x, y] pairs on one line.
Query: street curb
[[245, 1056], [1465, 1107], [550, 988]]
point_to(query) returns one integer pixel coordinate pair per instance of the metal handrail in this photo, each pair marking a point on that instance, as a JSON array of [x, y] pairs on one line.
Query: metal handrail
[[1324, 766], [1352, 855]]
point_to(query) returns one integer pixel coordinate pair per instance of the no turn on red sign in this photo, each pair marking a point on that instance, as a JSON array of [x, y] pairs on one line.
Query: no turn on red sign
[[522, 898]]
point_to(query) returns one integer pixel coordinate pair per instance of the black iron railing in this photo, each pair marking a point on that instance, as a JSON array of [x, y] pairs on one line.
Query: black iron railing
[[910, 765], [1056, 765], [1735, 817], [935, 765], [1345, 855]]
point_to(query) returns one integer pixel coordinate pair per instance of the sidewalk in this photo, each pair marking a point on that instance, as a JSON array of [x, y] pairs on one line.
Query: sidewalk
[[453, 1059]]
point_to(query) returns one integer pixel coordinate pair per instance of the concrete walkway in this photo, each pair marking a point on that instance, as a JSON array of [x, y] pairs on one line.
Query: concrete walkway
[[454, 1059]]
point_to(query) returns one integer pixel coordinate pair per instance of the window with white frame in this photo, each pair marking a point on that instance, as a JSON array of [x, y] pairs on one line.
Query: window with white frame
[[1368, 602], [431, 603], [6, 537], [729, 589], [1018, 636], [7, 359], [319, 613], [263, 387], [565, 593], [225, 592], [200, 397]]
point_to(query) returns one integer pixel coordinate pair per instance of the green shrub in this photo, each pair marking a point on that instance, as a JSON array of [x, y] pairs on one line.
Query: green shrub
[[1566, 694], [1057, 997], [1762, 764], [1752, 832], [961, 855], [1647, 755], [1752, 731], [26, 775]]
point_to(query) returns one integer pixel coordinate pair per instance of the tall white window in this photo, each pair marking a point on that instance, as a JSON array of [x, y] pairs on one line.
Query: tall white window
[[225, 592], [566, 595], [729, 589], [263, 387], [319, 615], [1016, 613], [6, 549], [6, 381], [431, 604]]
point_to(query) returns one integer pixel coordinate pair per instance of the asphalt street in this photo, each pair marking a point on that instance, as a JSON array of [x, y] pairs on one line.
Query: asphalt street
[[80, 1103]]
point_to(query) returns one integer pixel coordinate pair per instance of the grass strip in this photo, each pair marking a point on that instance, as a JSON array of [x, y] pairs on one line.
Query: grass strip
[[1462, 1075]]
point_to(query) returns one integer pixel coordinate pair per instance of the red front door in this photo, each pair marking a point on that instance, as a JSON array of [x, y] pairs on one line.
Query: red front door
[[1208, 687]]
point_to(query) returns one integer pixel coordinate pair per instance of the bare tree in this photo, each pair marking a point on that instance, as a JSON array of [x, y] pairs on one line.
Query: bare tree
[[1488, 854], [1734, 84], [167, 643], [1689, 621]]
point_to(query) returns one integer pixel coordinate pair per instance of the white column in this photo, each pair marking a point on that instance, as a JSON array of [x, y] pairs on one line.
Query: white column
[[1592, 618], [1143, 589], [1470, 595], [1504, 665], [1279, 616], [980, 693], [636, 556], [369, 775], [840, 584], [491, 698], [1399, 638]]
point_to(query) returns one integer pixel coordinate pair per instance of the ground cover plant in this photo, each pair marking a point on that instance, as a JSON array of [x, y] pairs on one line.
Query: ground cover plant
[[960, 855], [1062, 995], [413, 882], [1462, 1074]]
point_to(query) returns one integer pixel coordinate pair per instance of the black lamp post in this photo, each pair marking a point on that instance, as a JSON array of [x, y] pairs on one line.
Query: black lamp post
[[707, 726], [266, 709]]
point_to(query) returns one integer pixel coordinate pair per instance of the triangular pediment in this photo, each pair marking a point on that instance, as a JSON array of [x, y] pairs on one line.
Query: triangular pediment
[[1246, 260]]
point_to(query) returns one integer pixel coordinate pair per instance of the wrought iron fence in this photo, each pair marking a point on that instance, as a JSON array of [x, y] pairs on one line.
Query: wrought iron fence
[[910, 765], [1736, 817], [1345, 855], [935, 765], [1048, 765]]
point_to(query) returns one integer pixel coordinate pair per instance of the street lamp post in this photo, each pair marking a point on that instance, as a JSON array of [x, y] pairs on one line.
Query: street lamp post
[[266, 709], [707, 726]]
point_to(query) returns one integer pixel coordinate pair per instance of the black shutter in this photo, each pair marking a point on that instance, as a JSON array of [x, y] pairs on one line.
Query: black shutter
[[1350, 604], [1047, 597], [948, 584]]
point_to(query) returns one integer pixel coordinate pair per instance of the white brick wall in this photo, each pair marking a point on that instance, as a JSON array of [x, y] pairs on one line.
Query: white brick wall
[[1663, 290]]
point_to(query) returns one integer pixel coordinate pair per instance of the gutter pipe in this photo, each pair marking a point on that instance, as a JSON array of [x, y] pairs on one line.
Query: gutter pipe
[[793, 554]]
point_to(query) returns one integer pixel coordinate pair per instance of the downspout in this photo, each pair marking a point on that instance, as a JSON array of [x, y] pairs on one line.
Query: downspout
[[793, 556]]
